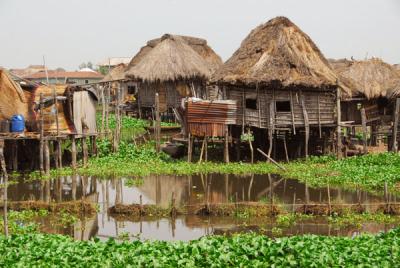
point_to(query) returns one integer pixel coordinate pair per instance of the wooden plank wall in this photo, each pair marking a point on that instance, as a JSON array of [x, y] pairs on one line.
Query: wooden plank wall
[[84, 107], [260, 116]]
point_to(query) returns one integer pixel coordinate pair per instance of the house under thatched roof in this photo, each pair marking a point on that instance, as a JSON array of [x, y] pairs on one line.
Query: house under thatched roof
[[116, 74], [371, 78], [278, 52], [174, 57]]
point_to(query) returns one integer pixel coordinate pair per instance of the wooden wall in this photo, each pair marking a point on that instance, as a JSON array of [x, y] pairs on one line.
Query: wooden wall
[[319, 105]]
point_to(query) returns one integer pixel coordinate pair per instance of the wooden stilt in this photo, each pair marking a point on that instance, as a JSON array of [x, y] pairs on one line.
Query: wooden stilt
[[339, 128], [250, 146], [364, 128], [41, 142], [285, 148], [55, 154], [46, 158], [395, 146], [59, 153], [93, 145], [5, 181], [319, 117], [329, 200], [226, 144], [206, 149], [15, 155], [190, 147], [202, 149], [85, 151], [157, 126], [73, 151]]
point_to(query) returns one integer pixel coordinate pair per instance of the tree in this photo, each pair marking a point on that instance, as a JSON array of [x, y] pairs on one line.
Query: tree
[[82, 65], [89, 65]]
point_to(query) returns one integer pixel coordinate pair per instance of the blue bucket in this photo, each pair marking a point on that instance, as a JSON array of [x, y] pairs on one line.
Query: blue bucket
[[17, 123]]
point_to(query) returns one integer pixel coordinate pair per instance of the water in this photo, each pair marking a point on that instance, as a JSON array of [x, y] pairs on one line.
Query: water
[[189, 191]]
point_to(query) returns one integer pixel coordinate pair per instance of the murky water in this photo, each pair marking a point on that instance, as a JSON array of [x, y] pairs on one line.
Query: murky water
[[188, 191]]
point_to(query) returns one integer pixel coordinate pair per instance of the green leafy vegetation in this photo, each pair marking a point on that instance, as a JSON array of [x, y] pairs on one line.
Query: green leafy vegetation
[[357, 220], [250, 250], [368, 172]]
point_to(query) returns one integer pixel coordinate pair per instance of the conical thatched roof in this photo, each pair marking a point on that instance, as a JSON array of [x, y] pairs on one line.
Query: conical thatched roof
[[173, 57], [12, 98], [372, 78], [116, 74], [278, 52]]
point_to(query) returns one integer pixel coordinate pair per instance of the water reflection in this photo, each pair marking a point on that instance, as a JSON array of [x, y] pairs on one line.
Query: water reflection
[[188, 191]]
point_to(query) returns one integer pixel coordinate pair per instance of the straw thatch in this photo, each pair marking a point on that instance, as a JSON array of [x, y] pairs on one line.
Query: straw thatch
[[12, 98], [371, 78], [116, 74], [279, 53], [172, 58]]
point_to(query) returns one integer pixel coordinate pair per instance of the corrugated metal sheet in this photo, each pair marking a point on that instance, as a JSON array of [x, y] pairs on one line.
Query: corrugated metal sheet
[[209, 118]]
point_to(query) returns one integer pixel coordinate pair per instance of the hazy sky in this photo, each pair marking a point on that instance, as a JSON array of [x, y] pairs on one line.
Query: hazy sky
[[69, 32]]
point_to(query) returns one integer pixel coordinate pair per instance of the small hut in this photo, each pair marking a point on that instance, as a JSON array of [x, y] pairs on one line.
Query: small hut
[[174, 67], [284, 86], [375, 84]]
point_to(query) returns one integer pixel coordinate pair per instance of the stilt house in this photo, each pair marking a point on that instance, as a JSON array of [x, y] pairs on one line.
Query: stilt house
[[283, 86], [375, 86], [173, 66]]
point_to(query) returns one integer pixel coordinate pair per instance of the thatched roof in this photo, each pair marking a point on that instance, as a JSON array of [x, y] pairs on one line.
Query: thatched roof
[[174, 57], [371, 78], [278, 52], [12, 98], [116, 74]]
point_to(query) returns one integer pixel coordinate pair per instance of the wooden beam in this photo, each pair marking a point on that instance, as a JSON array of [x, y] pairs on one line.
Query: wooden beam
[[41, 143], [157, 126], [271, 126], [226, 144], [73, 151]]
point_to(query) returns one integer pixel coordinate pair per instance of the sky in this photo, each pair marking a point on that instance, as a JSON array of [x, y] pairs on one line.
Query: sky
[[69, 32]]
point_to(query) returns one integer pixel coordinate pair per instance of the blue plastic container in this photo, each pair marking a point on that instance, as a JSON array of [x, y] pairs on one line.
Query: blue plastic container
[[17, 123]]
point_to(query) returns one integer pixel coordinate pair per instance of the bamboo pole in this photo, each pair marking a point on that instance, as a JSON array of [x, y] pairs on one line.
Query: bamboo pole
[[251, 146], [190, 147], [270, 159], [226, 144]]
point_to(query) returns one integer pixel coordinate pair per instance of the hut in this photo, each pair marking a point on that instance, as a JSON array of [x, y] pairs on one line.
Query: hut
[[13, 99], [175, 67], [284, 86], [375, 84]]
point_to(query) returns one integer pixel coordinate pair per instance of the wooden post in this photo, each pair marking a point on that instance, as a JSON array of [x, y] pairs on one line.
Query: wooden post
[[59, 153], [206, 149], [190, 147], [226, 144], [15, 155], [173, 208], [364, 128], [251, 146], [386, 193], [306, 126], [47, 157], [395, 147], [243, 110], [41, 143], [294, 203], [93, 145], [285, 147], [157, 126], [73, 151], [107, 102], [85, 151], [339, 129], [202, 149], [5, 180]]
